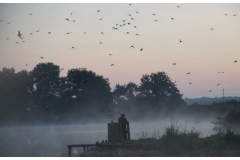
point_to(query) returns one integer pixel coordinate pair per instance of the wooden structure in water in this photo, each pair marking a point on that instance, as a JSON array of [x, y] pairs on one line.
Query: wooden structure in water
[[88, 146], [115, 133]]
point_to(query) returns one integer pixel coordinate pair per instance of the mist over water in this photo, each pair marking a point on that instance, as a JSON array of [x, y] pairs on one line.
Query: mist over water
[[52, 140]]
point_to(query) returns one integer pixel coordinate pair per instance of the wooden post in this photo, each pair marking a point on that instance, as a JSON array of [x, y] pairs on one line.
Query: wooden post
[[128, 133], [69, 151]]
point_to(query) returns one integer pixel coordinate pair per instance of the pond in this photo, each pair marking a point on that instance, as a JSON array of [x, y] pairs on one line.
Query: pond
[[52, 140]]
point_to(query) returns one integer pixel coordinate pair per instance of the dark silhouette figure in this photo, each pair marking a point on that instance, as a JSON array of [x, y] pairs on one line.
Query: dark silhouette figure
[[141, 49], [174, 63], [132, 47], [188, 73], [98, 10], [123, 121], [218, 84], [112, 64], [180, 41], [110, 54], [235, 61], [171, 18]]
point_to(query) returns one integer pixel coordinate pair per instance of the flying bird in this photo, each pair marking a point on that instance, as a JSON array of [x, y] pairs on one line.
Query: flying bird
[[129, 23], [8, 22], [136, 11], [127, 33], [112, 64], [31, 34], [155, 20], [132, 19], [235, 61], [178, 6], [218, 84], [235, 14], [67, 19], [132, 47], [190, 83], [26, 64], [7, 39], [49, 32], [41, 57], [85, 32], [123, 20], [130, 4], [62, 68], [74, 21], [153, 14], [71, 13], [211, 29], [129, 15], [210, 91], [38, 30], [174, 63], [72, 48], [30, 14], [110, 54], [180, 41], [68, 32], [225, 14], [141, 49], [137, 34], [98, 10], [100, 42], [2, 20], [171, 18], [135, 26], [19, 34], [101, 19], [102, 33], [188, 73], [16, 42]]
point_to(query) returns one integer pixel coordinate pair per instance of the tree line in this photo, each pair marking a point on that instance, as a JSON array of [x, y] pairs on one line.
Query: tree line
[[42, 96]]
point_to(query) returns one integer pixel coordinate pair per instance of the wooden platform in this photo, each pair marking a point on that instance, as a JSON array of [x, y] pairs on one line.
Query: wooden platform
[[87, 146]]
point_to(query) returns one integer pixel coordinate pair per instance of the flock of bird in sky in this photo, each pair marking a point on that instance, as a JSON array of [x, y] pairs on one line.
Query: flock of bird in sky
[[116, 27]]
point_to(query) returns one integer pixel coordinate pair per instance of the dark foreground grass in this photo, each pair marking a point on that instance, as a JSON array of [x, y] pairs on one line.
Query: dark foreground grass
[[175, 143]]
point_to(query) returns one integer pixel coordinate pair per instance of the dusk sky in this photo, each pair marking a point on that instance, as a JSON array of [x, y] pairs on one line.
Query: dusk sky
[[210, 41]]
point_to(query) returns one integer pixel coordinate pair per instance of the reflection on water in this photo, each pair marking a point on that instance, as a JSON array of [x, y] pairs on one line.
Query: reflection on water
[[47, 141]]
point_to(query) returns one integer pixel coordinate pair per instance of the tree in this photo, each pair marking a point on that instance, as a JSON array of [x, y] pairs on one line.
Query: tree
[[157, 90], [45, 88], [87, 92], [124, 97], [14, 95]]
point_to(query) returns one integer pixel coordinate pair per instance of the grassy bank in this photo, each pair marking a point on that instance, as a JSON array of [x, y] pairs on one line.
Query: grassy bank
[[175, 143]]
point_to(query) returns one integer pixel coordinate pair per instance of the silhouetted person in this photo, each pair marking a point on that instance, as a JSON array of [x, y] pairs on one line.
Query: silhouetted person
[[124, 122]]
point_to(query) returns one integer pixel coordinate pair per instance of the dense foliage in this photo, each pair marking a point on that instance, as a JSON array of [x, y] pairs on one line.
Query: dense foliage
[[42, 96]]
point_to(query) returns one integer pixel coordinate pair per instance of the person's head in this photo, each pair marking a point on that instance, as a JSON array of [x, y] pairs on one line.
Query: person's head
[[123, 115]]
